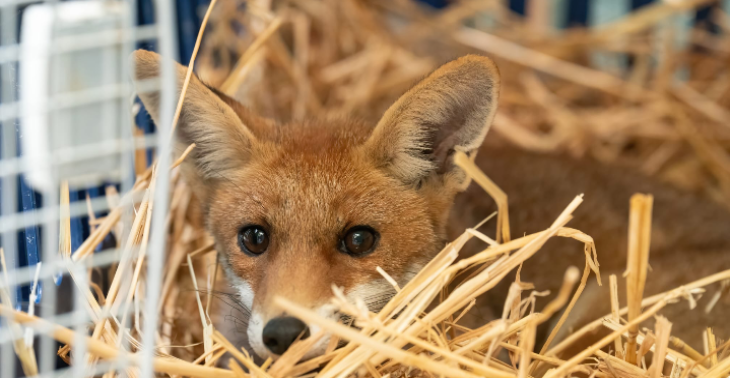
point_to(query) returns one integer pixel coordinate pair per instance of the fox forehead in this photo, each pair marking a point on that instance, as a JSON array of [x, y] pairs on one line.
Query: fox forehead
[[316, 136], [313, 180]]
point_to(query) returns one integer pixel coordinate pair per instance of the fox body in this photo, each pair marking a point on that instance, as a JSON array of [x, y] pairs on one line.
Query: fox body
[[689, 238], [297, 208]]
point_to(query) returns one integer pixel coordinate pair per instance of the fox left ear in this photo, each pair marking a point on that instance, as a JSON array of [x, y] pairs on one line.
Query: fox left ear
[[223, 143], [450, 110]]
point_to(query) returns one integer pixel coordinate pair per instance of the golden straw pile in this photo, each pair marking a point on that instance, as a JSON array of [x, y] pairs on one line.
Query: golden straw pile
[[307, 57]]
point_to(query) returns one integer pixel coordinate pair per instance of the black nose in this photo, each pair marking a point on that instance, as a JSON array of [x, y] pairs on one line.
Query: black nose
[[280, 333]]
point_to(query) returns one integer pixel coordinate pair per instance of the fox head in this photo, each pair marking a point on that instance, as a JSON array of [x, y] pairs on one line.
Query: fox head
[[297, 208]]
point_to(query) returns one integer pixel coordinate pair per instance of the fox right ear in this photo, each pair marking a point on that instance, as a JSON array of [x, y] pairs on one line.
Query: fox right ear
[[450, 110], [222, 141]]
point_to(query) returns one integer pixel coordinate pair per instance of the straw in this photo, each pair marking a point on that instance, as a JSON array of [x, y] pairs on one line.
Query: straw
[[98, 348], [316, 58], [618, 343], [638, 263]]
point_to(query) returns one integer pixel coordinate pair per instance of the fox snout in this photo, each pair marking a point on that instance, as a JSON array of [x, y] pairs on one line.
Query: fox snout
[[280, 333], [272, 334]]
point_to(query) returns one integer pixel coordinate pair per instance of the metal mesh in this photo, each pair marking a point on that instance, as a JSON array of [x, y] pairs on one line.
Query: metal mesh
[[65, 100]]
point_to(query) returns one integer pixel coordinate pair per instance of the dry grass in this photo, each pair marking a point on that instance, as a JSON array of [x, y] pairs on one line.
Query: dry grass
[[345, 56]]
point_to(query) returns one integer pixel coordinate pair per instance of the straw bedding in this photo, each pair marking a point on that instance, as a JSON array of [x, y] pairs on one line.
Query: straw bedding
[[311, 57]]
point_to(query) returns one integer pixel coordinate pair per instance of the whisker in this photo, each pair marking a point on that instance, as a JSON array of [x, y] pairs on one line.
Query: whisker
[[231, 299], [241, 325]]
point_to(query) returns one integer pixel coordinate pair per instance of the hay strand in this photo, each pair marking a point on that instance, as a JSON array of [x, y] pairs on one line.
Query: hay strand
[[638, 264]]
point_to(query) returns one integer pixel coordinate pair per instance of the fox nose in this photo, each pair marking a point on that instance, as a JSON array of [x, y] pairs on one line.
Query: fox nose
[[280, 333]]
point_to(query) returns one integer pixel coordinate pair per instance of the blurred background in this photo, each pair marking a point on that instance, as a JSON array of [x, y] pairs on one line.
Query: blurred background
[[645, 84]]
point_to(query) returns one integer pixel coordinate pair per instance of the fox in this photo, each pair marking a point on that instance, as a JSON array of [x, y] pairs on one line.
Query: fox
[[297, 208]]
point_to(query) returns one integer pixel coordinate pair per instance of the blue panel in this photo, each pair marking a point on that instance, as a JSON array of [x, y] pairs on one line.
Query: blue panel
[[577, 13], [517, 6], [146, 16], [438, 4], [187, 29], [29, 239], [146, 12], [78, 231], [635, 4], [703, 18]]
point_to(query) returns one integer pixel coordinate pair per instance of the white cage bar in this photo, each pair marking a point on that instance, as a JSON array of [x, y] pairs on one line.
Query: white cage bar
[[65, 102]]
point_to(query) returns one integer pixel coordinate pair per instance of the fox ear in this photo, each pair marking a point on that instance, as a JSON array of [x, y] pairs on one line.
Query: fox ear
[[222, 141], [450, 110]]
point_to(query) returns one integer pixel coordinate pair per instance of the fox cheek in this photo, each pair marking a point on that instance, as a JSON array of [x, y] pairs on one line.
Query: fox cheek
[[254, 334], [241, 286], [376, 293], [245, 292]]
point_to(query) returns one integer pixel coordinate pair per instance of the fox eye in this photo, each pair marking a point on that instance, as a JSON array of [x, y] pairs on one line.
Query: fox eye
[[253, 240], [359, 241]]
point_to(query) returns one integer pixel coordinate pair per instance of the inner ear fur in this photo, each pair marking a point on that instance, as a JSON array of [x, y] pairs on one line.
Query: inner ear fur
[[223, 142], [450, 110]]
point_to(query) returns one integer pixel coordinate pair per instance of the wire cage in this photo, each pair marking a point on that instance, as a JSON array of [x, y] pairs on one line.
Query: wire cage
[[66, 122], [71, 124]]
